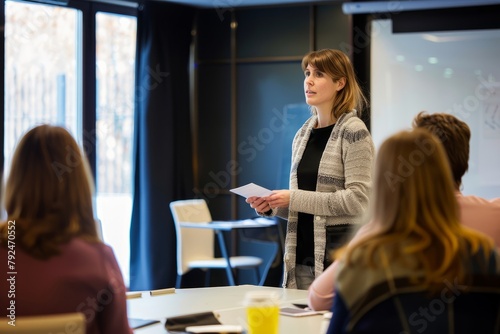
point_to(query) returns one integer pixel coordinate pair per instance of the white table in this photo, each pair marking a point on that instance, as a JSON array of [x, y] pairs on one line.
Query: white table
[[226, 302], [220, 226]]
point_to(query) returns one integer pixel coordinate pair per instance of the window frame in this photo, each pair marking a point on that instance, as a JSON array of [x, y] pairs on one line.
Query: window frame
[[86, 73]]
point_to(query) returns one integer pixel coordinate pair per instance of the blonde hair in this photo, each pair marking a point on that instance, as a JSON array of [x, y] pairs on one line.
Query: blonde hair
[[49, 192], [337, 65], [416, 212]]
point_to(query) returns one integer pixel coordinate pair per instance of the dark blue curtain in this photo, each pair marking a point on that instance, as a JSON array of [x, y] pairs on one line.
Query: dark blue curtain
[[162, 143]]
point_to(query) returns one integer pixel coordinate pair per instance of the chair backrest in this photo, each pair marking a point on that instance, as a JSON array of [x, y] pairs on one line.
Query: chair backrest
[[192, 243], [415, 312], [53, 323]]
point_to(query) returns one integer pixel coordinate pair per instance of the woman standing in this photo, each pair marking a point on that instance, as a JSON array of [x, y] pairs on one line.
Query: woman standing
[[330, 173]]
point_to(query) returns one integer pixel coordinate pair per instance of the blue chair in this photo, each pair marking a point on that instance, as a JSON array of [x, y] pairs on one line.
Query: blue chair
[[266, 250], [453, 311]]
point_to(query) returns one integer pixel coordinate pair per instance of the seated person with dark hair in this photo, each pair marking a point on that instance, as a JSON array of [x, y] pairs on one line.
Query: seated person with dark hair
[[476, 212]]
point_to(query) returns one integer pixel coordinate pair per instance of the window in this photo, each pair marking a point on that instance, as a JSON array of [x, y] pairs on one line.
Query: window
[[40, 70], [115, 54], [43, 84]]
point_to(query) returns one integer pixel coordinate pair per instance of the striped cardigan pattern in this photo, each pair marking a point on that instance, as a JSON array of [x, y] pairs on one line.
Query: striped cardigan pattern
[[342, 188]]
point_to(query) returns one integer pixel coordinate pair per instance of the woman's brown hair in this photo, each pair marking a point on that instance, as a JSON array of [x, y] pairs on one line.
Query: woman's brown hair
[[48, 192], [337, 65]]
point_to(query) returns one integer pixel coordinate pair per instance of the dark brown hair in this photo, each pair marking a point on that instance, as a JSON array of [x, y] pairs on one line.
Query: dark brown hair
[[454, 135]]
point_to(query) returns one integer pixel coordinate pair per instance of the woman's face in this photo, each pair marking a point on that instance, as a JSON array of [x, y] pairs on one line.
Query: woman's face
[[319, 88]]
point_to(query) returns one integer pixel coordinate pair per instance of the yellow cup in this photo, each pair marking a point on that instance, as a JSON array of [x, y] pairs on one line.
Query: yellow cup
[[262, 312]]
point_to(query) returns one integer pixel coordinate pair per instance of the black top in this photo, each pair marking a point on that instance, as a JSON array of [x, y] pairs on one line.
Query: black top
[[307, 175]]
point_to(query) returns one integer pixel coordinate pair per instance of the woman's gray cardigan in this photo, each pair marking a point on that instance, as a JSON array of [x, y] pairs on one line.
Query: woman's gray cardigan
[[342, 188]]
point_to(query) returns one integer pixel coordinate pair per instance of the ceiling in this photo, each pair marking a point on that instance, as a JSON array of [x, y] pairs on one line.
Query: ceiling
[[349, 6], [227, 3], [243, 3]]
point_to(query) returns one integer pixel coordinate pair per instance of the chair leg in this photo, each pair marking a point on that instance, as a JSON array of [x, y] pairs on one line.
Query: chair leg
[[178, 281], [235, 272], [207, 278], [257, 275]]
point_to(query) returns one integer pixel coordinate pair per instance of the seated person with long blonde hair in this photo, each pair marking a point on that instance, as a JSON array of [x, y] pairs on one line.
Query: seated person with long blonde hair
[[60, 265], [416, 268], [475, 212]]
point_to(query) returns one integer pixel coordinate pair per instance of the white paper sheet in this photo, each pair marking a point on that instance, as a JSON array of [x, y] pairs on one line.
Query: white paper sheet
[[251, 189]]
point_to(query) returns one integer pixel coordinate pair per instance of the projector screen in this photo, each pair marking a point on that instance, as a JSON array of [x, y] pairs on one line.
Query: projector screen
[[454, 72]]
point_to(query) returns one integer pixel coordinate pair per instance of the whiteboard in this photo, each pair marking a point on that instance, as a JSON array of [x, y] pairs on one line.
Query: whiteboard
[[454, 72]]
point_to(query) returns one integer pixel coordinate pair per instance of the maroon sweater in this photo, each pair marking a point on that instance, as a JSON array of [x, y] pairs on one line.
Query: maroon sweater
[[85, 278]]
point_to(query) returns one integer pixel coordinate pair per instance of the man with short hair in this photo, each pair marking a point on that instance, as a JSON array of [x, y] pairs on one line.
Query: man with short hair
[[478, 213]]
